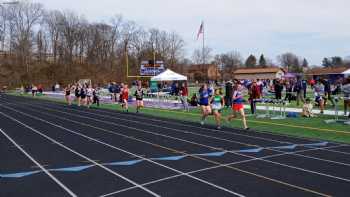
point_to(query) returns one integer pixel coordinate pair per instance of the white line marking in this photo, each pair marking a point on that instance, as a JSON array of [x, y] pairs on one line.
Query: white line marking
[[212, 137], [204, 135], [83, 156], [210, 168], [336, 151], [255, 158], [199, 144], [70, 192], [159, 164]]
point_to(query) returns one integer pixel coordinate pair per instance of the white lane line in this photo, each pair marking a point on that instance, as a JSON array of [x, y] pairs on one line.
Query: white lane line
[[111, 146], [70, 192], [247, 172], [336, 151], [211, 137], [202, 145], [190, 126], [211, 168], [83, 156]]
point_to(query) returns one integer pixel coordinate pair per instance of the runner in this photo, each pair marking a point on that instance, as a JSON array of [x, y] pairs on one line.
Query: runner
[[89, 95], [67, 94], [97, 95], [217, 103], [121, 93], [77, 93], [125, 97], [238, 104], [34, 90], [83, 92], [139, 97], [204, 102]]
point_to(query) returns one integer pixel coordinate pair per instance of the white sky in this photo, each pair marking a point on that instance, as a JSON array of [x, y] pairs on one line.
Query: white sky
[[309, 28]]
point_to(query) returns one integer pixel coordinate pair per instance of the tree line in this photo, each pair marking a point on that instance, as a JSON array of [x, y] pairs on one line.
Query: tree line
[[38, 45]]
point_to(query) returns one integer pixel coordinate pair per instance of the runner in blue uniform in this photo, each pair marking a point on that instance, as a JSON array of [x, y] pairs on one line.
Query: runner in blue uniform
[[204, 102]]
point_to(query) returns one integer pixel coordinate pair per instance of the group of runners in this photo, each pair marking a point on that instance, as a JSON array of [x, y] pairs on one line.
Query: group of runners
[[212, 102], [84, 94], [87, 95]]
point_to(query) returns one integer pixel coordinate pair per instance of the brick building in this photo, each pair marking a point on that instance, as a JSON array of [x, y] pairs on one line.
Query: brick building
[[259, 73], [203, 72]]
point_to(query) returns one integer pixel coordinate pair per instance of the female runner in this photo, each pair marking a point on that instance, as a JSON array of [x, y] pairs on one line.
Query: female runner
[[217, 103], [204, 102], [238, 104]]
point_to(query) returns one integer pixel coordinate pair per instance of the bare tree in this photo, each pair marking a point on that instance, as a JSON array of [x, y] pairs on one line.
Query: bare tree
[[24, 16], [201, 56]]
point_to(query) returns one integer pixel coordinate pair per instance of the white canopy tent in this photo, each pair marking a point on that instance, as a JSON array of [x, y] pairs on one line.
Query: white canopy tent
[[347, 72], [169, 75]]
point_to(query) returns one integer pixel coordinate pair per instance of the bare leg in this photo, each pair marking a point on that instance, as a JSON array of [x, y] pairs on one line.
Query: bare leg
[[217, 119], [322, 103], [244, 119]]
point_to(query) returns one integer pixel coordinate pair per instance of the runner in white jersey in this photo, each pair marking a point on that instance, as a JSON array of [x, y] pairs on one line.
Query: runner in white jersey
[[89, 96]]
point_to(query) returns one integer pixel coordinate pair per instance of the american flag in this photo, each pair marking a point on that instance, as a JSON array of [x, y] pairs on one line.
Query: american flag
[[201, 30]]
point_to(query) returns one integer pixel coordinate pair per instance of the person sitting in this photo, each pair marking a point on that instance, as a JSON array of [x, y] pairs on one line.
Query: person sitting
[[194, 100], [307, 109]]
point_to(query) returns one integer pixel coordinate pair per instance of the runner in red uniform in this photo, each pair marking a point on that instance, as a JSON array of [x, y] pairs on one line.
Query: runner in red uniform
[[125, 97]]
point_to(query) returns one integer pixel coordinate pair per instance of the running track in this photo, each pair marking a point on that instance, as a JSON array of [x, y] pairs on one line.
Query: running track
[[49, 149]]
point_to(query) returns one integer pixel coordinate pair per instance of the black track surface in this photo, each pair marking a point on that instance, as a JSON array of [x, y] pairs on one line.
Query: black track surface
[[85, 135]]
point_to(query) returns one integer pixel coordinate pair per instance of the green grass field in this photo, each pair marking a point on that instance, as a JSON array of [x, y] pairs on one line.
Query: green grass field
[[314, 128]]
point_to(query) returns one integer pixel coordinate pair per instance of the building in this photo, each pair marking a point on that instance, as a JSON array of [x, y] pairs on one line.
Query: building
[[331, 73], [203, 72], [259, 73]]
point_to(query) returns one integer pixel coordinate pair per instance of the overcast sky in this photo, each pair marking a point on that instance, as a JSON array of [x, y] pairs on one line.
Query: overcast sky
[[309, 28]]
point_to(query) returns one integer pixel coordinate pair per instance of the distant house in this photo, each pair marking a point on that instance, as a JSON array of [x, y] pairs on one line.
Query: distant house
[[332, 73], [203, 72], [259, 73]]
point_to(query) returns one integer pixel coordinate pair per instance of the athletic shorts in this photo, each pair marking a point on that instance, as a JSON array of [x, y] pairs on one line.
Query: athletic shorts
[[237, 107], [204, 104], [83, 96], [217, 110], [139, 99]]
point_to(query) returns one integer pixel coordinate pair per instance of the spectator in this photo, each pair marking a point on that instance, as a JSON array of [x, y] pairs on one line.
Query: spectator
[[184, 96], [346, 91], [254, 93], [328, 91], [289, 91], [278, 90], [304, 82], [298, 88], [312, 82], [319, 95]]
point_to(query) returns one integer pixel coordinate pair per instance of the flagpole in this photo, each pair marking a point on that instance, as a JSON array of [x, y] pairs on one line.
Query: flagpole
[[203, 43]]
